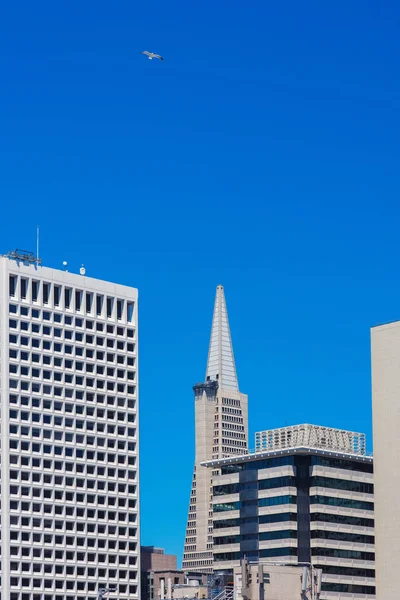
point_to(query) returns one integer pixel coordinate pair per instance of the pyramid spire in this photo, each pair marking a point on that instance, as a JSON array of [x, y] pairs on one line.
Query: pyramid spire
[[221, 361]]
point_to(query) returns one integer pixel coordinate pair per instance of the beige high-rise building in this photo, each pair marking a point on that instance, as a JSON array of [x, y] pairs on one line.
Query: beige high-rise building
[[385, 345], [221, 430]]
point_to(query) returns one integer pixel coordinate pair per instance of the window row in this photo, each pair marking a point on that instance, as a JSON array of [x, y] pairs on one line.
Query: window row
[[34, 596], [72, 511], [341, 463], [267, 553], [59, 405], [78, 453], [57, 361], [262, 536], [351, 571], [69, 298], [69, 321], [48, 478], [273, 501], [266, 463], [49, 419], [356, 538], [78, 468], [242, 521], [68, 555], [69, 540], [348, 588], [24, 340], [80, 556], [263, 484], [48, 568], [72, 379], [342, 519], [345, 502], [342, 484], [50, 434], [59, 584], [229, 411], [65, 526], [230, 402], [67, 334], [100, 384], [67, 467], [339, 553], [35, 537]]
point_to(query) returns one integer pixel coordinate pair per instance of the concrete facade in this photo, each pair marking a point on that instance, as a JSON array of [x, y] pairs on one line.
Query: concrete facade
[[271, 581], [385, 349], [221, 428], [298, 505], [162, 580], [157, 568], [69, 434], [154, 559]]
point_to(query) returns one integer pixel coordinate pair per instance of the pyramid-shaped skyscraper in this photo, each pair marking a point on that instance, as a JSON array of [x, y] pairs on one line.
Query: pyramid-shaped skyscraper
[[221, 430]]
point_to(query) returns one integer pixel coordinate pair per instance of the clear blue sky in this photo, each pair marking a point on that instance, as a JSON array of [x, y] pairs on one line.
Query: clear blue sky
[[262, 154]]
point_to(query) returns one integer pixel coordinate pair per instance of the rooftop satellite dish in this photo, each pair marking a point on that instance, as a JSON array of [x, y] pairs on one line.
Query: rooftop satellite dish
[[82, 270]]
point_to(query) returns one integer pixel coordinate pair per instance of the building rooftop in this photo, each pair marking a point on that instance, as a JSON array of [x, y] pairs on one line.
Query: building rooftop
[[302, 439], [152, 549], [311, 436]]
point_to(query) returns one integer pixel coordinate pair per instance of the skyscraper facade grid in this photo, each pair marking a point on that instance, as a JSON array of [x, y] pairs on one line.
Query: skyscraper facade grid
[[69, 435]]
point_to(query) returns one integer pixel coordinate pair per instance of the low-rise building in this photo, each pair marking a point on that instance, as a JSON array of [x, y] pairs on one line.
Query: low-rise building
[[272, 581], [153, 560], [161, 579]]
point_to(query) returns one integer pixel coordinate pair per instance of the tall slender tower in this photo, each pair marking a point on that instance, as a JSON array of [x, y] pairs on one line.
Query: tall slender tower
[[221, 430]]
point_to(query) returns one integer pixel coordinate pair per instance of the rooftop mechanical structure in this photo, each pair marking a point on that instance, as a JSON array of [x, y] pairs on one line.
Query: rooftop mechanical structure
[[311, 436]]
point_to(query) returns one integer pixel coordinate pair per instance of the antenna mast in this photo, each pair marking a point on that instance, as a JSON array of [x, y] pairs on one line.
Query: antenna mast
[[37, 242]]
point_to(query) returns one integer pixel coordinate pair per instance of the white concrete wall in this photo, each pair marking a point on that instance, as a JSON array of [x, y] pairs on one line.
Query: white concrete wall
[[385, 346]]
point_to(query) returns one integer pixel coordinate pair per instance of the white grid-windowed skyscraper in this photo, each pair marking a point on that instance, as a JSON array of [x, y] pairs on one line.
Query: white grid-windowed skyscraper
[[221, 430], [69, 434]]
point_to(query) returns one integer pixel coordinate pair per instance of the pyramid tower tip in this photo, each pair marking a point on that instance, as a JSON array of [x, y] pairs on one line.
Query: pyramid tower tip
[[221, 361]]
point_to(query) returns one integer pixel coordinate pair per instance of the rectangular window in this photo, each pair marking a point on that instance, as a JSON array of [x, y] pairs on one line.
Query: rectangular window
[[67, 297], [129, 311], [35, 290], [78, 300], [110, 306], [13, 285], [120, 309], [57, 295], [46, 292], [24, 288], [99, 304], [89, 301]]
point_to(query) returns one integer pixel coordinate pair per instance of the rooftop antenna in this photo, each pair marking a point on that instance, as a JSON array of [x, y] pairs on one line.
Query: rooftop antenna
[[82, 270], [65, 265], [37, 242]]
